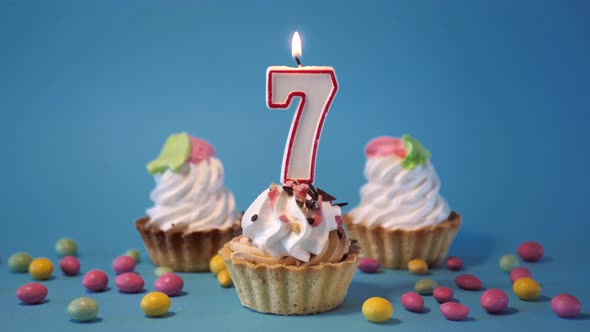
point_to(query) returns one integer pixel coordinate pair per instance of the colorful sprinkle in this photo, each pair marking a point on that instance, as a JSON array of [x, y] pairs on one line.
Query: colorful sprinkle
[[129, 282], [454, 311], [69, 265], [32, 293], [83, 309], [155, 304], [530, 251], [20, 262], [443, 294], [526, 288], [369, 265], [454, 263], [566, 306], [41, 268], [66, 247], [412, 301], [377, 309], [468, 282], [494, 300], [95, 280]]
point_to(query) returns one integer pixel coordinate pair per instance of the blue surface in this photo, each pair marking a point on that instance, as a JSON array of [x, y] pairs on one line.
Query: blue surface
[[498, 91]]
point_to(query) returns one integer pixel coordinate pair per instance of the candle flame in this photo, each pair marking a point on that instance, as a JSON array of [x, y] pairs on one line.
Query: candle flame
[[296, 45]]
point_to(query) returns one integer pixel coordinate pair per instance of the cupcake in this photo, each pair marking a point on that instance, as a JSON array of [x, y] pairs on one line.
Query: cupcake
[[193, 213], [293, 258], [401, 216]]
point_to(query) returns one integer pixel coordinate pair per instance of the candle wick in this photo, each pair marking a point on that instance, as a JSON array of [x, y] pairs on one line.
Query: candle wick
[[298, 62]]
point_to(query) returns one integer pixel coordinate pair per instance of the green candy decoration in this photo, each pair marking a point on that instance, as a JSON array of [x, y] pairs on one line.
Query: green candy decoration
[[173, 155], [416, 154]]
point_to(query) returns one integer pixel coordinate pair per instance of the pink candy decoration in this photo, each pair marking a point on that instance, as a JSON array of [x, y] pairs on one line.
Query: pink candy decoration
[[123, 264], [300, 191], [95, 280], [454, 263], [385, 146], [412, 301], [494, 300], [443, 294], [169, 283], [454, 311], [519, 272], [283, 218], [32, 293], [70, 265], [129, 282], [468, 282], [338, 220], [200, 150], [369, 265], [530, 251], [566, 306]]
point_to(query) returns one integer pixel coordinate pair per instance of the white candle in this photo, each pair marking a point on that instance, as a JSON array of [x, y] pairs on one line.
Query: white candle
[[316, 86]]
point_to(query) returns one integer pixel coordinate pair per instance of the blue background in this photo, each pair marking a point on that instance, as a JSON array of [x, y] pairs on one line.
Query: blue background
[[497, 90]]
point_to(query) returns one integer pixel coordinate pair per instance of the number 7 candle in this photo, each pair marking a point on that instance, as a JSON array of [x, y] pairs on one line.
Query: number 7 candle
[[316, 87]]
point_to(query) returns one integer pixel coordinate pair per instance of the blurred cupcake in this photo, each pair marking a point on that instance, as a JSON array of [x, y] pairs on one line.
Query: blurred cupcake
[[193, 213], [401, 216], [293, 258]]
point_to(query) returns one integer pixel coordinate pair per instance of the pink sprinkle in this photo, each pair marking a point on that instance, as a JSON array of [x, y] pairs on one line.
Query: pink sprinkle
[[317, 216], [283, 218], [200, 150], [289, 183], [519, 272], [300, 191], [385, 146], [338, 220], [272, 196], [443, 294]]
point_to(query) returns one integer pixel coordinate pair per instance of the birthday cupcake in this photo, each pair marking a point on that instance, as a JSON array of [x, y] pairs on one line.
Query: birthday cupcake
[[193, 213], [401, 216], [293, 258]]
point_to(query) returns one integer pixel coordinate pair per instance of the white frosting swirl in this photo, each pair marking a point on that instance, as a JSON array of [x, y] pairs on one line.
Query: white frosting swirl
[[194, 197], [295, 238], [397, 198]]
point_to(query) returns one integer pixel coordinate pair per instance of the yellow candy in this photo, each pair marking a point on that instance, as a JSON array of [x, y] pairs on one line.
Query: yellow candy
[[216, 264], [41, 268], [224, 278], [417, 266], [377, 309], [526, 288], [155, 304]]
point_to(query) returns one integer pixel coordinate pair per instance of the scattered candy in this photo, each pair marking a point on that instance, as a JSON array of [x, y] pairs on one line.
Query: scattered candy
[[216, 264], [155, 304], [508, 263], [412, 301], [123, 264], [66, 247], [417, 266], [494, 300], [443, 294], [95, 280], [83, 309], [377, 309], [162, 269], [129, 282], [530, 251], [468, 282], [224, 278], [526, 288], [566, 306], [519, 272], [69, 265], [454, 311], [20, 262], [169, 283], [133, 253], [32, 293], [425, 286], [41, 268], [454, 263], [369, 265]]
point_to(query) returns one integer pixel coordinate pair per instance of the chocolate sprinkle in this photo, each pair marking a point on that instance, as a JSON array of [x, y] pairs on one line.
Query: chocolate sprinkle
[[254, 217], [341, 204], [288, 190], [339, 235], [312, 204], [310, 221], [325, 195], [299, 203]]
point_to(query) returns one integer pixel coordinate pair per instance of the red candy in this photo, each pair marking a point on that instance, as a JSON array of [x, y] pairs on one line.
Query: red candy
[[385, 146], [169, 283], [519, 272], [123, 264], [32, 293], [454, 311], [70, 265], [95, 280], [530, 251], [454, 263], [412, 301], [494, 300], [566, 306], [468, 282], [443, 294], [129, 282], [369, 265]]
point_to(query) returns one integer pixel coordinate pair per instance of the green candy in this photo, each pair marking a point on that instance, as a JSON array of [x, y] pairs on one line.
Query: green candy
[[66, 247], [162, 270], [83, 309], [133, 253], [425, 286], [508, 263], [416, 154], [20, 262], [173, 155]]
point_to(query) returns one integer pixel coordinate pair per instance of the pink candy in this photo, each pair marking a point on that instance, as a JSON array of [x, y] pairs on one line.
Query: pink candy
[[530, 251], [129, 282], [70, 265], [200, 150], [566, 306], [412, 301], [369, 265], [169, 283], [443, 294], [123, 264], [468, 282], [519, 272], [454, 263], [494, 300], [32, 293], [454, 311], [385, 146], [95, 280]]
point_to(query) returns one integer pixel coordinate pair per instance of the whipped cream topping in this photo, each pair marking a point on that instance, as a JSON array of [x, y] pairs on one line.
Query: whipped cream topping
[[281, 224], [399, 198], [193, 198]]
